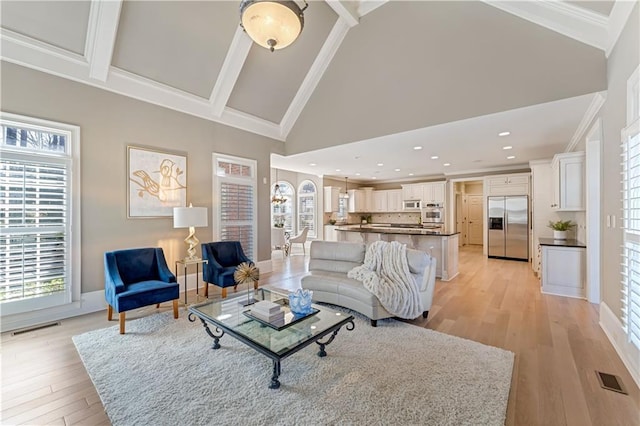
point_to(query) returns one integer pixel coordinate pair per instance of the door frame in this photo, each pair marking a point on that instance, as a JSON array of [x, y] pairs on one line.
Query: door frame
[[451, 213]]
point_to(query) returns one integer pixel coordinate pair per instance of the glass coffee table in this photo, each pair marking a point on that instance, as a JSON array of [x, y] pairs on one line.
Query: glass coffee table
[[232, 316]]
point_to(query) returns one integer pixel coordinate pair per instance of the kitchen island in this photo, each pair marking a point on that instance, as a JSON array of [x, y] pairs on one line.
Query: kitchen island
[[441, 245]]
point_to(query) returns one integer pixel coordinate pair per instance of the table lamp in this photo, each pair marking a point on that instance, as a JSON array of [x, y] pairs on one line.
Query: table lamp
[[190, 217]]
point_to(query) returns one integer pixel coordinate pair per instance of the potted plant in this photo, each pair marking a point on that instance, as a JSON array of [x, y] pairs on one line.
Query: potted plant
[[560, 228]]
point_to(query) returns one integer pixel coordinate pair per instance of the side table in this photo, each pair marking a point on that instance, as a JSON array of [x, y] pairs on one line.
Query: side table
[[185, 263]]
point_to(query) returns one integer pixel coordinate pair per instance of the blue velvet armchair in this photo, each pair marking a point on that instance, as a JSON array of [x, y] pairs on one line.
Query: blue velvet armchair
[[135, 278], [223, 257]]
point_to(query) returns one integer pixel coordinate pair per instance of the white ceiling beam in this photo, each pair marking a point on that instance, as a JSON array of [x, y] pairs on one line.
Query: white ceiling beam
[[368, 6], [230, 71], [572, 21], [617, 20], [311, 80], [347, 11], [104, 17]]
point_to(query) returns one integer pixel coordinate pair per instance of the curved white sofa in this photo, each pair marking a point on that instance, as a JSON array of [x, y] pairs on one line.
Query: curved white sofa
[[331, 261]]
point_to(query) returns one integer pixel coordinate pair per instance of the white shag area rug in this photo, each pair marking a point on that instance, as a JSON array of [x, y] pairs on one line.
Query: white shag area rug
[[164, 372]]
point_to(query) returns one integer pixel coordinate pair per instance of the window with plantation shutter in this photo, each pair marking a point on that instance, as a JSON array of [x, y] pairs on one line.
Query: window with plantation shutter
[[235, 194], [631, 232], [36, 183]]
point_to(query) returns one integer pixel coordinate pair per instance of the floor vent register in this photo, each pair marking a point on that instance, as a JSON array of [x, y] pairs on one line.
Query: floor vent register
[[611, 382]]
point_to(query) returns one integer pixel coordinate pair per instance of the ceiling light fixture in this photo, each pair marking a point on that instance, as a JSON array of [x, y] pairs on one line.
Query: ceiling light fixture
[[396, 170], [511, 157], [434, 157], [346, 188], [380, 164], [417, 148], [507, 147], [504, 133], [312, 164], [446, 164], [272, 24]]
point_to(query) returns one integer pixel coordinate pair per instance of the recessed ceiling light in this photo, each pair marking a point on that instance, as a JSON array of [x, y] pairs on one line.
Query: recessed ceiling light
[[504, 133], [417, 148], [507, 147], [511, 157], [357, 174], [312, 164], [380, 164], [374, 177], [410, 174], [338, 170], [397, 170], [434, 157], [446, 164]]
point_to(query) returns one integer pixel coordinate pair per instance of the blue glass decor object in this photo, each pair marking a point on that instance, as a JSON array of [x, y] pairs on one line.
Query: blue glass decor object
[[300, 302]]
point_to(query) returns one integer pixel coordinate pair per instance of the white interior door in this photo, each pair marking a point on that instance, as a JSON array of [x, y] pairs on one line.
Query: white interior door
[[474, 206]]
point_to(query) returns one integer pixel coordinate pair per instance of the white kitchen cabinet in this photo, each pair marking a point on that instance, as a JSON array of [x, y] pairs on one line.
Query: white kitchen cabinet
[[380, 201], [394, 200], [515, 184], [330, 233], [368, 199], [567, 180], [357, 201], [412, 191], [563, 271], [389, 200], [331, 199], [433, 192]]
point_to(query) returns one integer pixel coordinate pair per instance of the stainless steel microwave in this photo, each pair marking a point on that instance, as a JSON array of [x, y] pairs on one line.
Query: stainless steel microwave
[[411, 205]]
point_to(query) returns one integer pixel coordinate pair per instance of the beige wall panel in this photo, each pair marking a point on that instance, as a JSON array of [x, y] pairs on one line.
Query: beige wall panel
[[108, 123], [622, 62]]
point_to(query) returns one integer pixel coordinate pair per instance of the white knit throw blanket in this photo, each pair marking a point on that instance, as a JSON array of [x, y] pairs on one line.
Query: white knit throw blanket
[[385, 273]]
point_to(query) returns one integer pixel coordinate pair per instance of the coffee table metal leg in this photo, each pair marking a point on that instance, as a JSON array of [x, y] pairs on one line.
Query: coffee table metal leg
[[214, 335], [322, 353], [275, 384]]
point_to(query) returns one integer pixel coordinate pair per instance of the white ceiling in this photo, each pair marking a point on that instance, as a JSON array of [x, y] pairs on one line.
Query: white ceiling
[[194, 58]]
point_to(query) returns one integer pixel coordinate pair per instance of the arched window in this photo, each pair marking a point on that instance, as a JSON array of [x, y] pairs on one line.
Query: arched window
[[282, 213], [307, 207]]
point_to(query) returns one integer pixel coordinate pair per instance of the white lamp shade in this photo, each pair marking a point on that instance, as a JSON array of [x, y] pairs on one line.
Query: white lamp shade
[[185, 217], [271, 20]]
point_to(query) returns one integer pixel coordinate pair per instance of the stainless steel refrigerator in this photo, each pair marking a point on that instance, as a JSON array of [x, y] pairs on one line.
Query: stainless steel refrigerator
[[508, 227]]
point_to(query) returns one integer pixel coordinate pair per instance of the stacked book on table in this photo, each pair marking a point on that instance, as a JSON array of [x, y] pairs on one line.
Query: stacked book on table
[[269, 312]]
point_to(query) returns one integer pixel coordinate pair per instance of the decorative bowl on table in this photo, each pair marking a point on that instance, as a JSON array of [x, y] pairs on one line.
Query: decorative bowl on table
[[300, 302]]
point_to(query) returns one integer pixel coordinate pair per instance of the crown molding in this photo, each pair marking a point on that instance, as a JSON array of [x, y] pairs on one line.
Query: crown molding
[[346, 11], [231, 68], [512, 168], [311, 80], [617, 20], [572, 21], [102, 29], [587, 119]]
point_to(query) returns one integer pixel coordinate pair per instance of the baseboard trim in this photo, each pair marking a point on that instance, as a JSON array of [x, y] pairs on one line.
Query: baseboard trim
[[629, 354], [88, 303]]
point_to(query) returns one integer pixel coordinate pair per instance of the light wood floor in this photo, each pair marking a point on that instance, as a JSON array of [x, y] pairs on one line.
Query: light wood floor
[[557, 342]]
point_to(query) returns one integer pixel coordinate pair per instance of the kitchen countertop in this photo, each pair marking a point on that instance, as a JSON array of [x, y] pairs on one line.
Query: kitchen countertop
[[561, 243], [391, 229]]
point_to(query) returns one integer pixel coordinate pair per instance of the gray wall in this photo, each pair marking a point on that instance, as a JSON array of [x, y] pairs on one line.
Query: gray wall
[[108, 123], [622, 62]]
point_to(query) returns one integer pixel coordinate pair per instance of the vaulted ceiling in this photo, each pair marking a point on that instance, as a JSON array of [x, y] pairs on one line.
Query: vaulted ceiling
[[362, 72]]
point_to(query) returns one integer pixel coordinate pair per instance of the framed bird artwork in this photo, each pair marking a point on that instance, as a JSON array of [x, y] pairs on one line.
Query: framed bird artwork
[[157, 182]]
